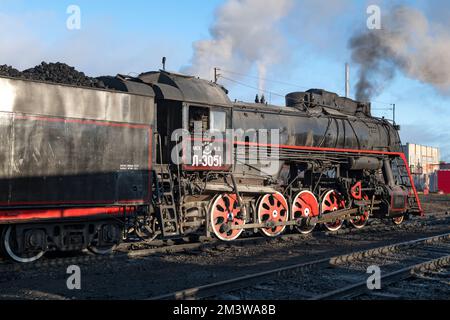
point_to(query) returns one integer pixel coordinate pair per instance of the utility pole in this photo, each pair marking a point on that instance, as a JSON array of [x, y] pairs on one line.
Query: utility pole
[[347, 80], [393, 113], [216, 74]]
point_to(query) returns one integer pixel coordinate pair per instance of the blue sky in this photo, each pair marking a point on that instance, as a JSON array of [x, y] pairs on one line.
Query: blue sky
[[131, 37]]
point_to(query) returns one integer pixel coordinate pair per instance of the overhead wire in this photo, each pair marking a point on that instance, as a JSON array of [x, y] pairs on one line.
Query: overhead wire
[[265, 79], [271, 93], [276, 81], [252, 87]]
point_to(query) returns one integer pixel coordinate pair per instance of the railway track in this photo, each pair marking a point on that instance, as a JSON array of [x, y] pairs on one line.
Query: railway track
[[338, 277], [142, 249], [358, 289]]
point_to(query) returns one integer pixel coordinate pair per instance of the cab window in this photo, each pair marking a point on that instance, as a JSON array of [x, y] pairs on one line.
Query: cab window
[[198, 115], [210, 119], [218, 121]]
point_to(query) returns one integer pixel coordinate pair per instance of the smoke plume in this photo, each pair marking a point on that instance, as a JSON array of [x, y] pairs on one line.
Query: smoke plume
[[408, 43], [244, 34]]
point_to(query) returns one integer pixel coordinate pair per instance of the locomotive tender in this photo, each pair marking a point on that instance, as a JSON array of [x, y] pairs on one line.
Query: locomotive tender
[[86, 168]]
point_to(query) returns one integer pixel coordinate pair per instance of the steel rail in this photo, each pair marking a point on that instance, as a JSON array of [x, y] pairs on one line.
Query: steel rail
[[360, 288], [220, 287]]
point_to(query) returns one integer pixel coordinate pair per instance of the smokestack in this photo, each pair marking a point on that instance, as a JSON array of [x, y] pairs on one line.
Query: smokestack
[[347, 80]]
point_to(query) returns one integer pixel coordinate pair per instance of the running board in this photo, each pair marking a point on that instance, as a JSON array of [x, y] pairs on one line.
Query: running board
[[242, 189]]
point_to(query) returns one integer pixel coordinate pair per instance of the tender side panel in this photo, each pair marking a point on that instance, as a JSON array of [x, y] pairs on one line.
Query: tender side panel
[[64, 145], [68, 161]]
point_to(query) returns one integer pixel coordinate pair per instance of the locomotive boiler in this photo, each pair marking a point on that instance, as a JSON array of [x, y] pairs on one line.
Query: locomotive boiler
[[165, 155]]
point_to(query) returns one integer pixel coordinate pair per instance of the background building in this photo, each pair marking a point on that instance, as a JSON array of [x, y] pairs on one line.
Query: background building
[[423, 162]]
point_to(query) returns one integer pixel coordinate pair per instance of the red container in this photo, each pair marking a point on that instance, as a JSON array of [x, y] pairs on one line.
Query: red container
[[444, 181]]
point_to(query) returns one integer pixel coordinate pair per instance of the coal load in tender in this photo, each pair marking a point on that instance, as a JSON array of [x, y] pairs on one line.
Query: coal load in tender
[[53, 72], [9, 71], [59, 73]]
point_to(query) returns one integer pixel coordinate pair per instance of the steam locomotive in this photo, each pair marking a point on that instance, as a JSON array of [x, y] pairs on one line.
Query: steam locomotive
[[165, 155]]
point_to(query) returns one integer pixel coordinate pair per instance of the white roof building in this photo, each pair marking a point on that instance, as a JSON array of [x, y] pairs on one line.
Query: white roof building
[[423, 161]]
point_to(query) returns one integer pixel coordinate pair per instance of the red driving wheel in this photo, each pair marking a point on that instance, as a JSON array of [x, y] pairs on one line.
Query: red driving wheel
[[360, 221], [273, 208], [398, 220], [332, 201], [224, 213], [305, 206]]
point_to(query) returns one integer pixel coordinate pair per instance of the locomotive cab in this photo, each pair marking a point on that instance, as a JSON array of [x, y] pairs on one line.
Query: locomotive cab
[[193, 129], [192, 114]]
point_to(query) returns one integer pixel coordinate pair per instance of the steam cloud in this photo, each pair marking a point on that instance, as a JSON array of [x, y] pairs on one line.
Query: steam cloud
[[245, 34], [408, 42]]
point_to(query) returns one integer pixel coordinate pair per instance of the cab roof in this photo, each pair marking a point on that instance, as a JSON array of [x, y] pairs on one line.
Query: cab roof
[[178, 87]]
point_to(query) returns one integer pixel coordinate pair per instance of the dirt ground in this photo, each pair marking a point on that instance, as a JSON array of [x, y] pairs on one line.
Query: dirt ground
[[157, 274], [435, 203]]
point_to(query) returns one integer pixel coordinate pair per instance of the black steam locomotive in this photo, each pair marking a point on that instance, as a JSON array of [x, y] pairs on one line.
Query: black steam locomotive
[[165, 155]]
